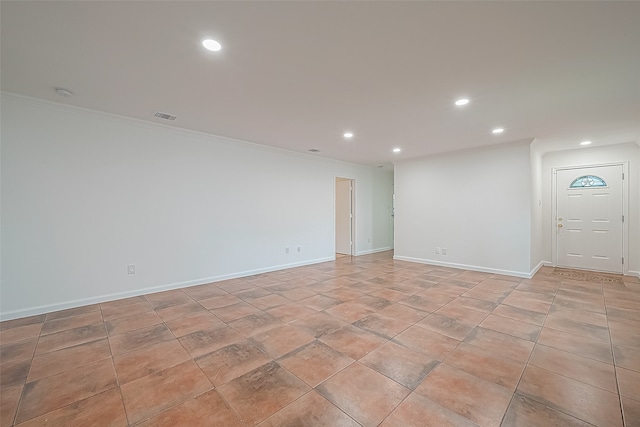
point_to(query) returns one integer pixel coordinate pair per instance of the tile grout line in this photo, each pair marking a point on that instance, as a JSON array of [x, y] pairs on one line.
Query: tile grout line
[[613, 356], [515, 390]]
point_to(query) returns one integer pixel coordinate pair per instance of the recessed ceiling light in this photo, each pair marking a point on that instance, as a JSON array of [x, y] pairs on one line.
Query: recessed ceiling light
[[397, 150], [462, 101], [211, 45], [63, 92], [497, 130], [348, 135], [585, 143]]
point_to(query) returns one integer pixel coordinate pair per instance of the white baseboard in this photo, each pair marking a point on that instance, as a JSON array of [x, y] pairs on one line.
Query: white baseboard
[[522, 274], [537, 267], [633, 273], [373, 251], [16, 314]]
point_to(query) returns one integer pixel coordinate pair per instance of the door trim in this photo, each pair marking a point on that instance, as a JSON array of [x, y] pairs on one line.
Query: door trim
[[353, 213], [625, 210]]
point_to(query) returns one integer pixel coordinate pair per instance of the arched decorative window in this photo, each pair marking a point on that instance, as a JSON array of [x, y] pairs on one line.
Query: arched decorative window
[[588, 181]]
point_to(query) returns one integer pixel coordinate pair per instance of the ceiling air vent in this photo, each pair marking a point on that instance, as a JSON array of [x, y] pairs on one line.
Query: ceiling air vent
[[165, 116], [314, 150]]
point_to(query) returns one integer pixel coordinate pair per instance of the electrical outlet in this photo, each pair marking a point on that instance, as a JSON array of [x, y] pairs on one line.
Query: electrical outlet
[[444, 251], [286, 250], [131, 269], [437, 250]]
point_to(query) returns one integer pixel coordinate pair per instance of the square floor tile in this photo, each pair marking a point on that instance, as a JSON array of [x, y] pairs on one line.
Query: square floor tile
[[255, 323], [453, 328], [290, 312], [198, 322], [9, 398], [580, 400], [571, 365], [627, 357], [235, 312], [181, 310], [631, 411], [71, 337], [53, 392], [520, 314], [232, 361], [17, 350], [104, 409], [127, 310], [364, 394], [574, 327], [629, 383], [426, 341], [14, 374], [283, 339], [349, 311], [66, 323], [488, 365], [401, 364], [139, 338], [203, 342], [315, 362], [384, 326], [69, 358], [201, 292], [403, 313], [515, 328], [148, 396], [260, 393], [352, 341], [131, 323], [576, 344], [527, 412], [311, 410], [147, 360], [418, 411], [499, 343], [208, 409], [319, 324], [480, 401]]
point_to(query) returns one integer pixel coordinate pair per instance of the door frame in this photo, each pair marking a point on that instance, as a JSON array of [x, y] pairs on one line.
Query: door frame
[[353, 213], [625, 210]]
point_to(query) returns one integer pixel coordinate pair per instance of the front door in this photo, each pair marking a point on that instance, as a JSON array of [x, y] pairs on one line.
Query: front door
[[589, 218]]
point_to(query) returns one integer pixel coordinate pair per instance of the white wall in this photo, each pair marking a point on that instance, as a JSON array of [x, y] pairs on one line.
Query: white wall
[[85, 193], [629, 152], [536, 207], [476, 204]]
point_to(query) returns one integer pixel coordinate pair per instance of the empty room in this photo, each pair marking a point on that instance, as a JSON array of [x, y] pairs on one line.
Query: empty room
[[319, 213]]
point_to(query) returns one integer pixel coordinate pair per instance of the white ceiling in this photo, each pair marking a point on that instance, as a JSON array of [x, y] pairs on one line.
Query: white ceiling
[[296, 75]]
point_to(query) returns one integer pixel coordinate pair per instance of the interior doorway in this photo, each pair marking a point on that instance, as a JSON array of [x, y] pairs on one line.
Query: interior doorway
[[589, 218], [344, 216]]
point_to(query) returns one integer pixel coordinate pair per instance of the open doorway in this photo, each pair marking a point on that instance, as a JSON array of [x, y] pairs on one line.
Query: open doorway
[[344, 219]]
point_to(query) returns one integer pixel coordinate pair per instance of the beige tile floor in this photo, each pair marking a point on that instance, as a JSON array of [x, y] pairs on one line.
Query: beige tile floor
[[360, 341]]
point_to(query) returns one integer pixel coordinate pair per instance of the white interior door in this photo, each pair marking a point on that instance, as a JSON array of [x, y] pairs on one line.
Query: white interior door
[[344, 216], [589, 218]]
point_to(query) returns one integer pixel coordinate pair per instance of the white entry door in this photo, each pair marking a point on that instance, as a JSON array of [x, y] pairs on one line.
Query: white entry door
[[589, 218]]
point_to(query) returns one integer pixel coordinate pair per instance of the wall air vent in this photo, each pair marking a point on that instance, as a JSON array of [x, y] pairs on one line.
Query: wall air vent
[[165, 116], [314, 150]]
